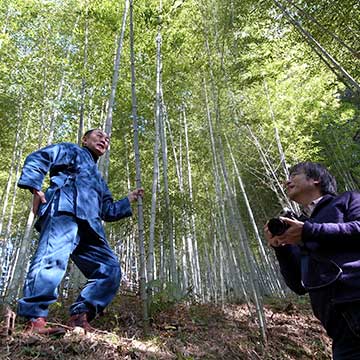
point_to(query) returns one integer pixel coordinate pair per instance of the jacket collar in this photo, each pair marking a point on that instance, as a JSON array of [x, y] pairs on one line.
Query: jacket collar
[[324, 201], [94, 157]]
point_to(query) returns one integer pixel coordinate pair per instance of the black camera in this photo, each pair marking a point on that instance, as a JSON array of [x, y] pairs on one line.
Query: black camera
[[277, 226]]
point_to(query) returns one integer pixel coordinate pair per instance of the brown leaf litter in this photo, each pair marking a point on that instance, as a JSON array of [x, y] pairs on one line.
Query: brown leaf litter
[[182, 331]]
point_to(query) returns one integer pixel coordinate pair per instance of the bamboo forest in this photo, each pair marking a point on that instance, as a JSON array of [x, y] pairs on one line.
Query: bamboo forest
[[208, 104]]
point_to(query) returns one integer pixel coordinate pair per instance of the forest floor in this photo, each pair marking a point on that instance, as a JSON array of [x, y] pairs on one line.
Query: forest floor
[[180, 331]]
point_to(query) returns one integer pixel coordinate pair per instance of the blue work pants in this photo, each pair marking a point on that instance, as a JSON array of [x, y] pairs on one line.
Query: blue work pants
[[63, 236]]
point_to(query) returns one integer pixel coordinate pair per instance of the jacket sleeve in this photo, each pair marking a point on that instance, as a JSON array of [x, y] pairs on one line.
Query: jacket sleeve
[[337, 233], [289, 259], [114, 210], [37, 165]]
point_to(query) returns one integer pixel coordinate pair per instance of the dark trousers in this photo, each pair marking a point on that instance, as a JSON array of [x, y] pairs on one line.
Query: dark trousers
[[346, 334], [63, 236]]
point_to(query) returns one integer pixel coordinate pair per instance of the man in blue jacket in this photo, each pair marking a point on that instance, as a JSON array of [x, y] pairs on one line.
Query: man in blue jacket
[[70, 225], [321, 255]]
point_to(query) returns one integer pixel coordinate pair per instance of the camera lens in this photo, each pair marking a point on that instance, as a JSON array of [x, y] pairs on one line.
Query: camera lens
[[277, 226]]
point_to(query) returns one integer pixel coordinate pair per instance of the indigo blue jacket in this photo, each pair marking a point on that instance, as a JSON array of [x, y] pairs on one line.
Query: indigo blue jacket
[[327, 265], [75, 182]]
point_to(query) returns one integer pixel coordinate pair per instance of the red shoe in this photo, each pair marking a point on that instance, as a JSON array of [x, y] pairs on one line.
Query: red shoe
[[81, 320], [38, 326]]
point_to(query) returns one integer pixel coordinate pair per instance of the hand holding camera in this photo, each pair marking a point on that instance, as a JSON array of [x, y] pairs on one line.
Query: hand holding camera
[[277, 226], [285, 229]]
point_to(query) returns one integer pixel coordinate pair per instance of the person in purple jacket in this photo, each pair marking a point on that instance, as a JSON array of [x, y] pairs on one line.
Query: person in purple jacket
[[321, 255], [70, 214]]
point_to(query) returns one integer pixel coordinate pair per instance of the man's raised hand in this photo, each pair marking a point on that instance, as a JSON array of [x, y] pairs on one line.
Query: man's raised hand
[[135, 194]]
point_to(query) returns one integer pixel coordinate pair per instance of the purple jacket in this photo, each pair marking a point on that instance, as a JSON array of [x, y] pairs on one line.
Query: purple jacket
[[327, 265]]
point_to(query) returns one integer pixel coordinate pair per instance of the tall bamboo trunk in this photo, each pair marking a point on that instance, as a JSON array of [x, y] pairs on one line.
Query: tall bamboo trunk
[[328, 59], [14, 166], [273, 179], [235, 218], [142, 258], [193, 239], [158, 119], [168, 215], [14, 159], [21, 260], [19, 156], [83, 80], [301, 11], [277, 136], [269, 265], [105, 160], [186, 252]]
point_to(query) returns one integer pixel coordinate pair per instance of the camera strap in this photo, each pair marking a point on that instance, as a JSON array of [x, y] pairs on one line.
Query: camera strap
[[318, 271]]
